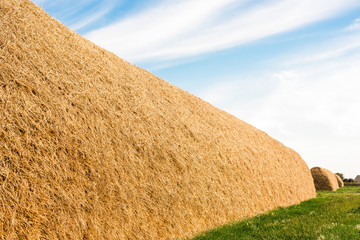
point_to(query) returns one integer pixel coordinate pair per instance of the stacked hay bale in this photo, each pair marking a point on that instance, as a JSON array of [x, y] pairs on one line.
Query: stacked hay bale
[[92, 147], [339, 180], [324, 179], [357, 179]]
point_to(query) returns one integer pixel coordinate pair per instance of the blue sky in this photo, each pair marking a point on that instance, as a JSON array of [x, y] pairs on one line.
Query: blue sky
[[290, 68]]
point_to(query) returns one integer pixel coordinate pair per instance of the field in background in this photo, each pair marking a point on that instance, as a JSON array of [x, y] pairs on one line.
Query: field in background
[[351, 184], [332, 215]]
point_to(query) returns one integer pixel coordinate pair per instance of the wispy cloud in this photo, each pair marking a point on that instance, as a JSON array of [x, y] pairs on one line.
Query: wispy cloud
[[355, 25], [149, 33], [78, 14], [91, 17], [346, 43], [177, 29]]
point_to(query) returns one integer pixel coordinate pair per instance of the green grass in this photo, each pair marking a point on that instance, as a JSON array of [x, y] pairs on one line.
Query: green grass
[[331, 215]]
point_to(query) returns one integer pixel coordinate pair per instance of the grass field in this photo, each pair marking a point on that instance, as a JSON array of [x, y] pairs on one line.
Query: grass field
[[332, 215]]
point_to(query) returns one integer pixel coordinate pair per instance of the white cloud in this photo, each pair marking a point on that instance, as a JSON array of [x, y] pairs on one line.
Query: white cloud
[[78, 14], [313, 108], [355, 25], [319, 105], [91, 18], [338, 47], [177, 29], [146, 33]]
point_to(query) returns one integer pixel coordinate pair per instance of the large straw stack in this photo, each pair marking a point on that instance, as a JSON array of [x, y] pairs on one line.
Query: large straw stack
[[324, 179], [92, 147], [339, 180]]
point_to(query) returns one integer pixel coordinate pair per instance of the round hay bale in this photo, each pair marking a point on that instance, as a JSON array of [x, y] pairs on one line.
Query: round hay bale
[[324, 179], [339, 180]]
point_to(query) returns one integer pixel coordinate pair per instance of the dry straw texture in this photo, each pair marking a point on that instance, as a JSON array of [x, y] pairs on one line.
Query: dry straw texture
[[92, 147], [339, 181], [324, 179]]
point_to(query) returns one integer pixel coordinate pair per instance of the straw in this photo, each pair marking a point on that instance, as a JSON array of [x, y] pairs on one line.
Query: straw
[[324, 179], [339, 181], [92, 147]]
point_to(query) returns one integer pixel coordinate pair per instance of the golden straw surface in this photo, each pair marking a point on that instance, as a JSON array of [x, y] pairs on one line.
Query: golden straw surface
[[339, 180], [92, 147], [324, 179]]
